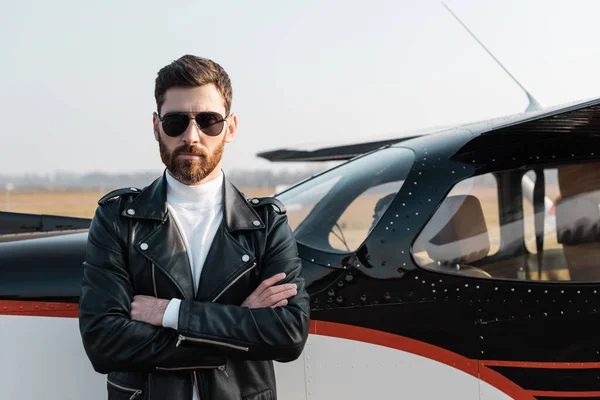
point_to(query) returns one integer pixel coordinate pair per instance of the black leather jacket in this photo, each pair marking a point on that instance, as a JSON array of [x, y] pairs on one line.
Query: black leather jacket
[[225, 350]]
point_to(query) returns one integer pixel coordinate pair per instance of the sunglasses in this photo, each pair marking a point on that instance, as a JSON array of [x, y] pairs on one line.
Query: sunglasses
[[175, 123]]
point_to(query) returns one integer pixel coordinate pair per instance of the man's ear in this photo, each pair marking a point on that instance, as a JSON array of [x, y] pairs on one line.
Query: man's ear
[[232, 124], [156, 125]]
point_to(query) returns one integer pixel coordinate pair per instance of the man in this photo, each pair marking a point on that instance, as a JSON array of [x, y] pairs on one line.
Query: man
[[190, 290]]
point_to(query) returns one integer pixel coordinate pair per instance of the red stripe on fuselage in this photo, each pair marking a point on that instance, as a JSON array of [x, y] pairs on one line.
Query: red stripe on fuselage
[[38, 309], [541, 365], [575, 395], [395, 342]]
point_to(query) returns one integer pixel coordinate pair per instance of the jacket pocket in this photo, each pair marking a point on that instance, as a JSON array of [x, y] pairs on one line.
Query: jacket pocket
[[265, 395], [118, 391]]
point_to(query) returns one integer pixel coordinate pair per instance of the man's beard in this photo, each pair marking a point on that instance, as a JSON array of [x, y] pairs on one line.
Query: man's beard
[[190, 171]]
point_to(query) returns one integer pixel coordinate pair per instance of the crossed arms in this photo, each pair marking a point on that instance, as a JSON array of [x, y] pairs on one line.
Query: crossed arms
[[123, 332]]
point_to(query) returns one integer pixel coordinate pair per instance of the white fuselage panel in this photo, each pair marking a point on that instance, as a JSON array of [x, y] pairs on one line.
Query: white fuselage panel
[[43, 357]]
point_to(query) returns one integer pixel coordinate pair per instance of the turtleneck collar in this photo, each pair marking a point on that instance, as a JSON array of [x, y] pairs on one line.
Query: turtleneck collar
[[209, 193]]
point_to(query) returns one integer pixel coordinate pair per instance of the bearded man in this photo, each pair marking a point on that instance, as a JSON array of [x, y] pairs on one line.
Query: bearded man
[[191, 290]]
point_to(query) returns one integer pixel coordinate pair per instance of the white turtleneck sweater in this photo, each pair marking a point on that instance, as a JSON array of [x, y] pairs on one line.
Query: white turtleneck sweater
[[197, 211]]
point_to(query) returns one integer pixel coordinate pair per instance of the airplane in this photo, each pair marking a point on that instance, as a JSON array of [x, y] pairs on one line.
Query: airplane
[[434, 269]]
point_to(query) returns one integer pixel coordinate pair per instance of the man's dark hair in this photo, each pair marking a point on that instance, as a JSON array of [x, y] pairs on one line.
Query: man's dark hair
[[192, 71]]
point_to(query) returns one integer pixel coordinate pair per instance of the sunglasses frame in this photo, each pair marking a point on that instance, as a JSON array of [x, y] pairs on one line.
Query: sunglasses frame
[[190, 118]]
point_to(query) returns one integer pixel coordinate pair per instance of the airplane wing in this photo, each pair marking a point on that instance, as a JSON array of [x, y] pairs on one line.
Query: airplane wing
[[341, 151], [14, 223], [332, 153]]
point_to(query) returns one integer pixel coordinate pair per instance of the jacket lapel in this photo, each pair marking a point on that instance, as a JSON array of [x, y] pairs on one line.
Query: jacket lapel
[[227, 257], [225, 260], [163, 246]]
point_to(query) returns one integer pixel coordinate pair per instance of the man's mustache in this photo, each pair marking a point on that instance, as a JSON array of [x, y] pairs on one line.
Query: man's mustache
[[190, 150]]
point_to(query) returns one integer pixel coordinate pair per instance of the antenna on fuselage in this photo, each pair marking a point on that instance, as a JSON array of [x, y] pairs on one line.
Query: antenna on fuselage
[[534, 104]]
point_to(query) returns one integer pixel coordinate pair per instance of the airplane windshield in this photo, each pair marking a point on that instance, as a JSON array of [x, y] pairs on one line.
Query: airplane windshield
[[336, 211]]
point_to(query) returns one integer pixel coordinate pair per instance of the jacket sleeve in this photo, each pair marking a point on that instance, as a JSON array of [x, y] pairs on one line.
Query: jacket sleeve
[[111, 339], [263, 333]]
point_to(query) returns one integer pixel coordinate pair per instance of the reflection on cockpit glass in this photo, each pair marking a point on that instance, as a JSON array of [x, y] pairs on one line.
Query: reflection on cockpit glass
[[335, 211]]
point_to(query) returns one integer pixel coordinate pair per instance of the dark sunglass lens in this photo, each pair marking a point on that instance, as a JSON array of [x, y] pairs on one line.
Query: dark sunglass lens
[[175, 124], [210, 123]]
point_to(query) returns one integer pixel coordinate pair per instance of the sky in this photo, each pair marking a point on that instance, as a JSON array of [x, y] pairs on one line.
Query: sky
[[77, 77]]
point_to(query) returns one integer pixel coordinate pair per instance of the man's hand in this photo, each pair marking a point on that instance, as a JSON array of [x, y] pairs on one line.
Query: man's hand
[[148, 309], [267, 295]]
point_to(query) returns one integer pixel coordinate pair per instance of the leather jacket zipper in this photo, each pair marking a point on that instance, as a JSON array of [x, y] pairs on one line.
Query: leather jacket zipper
[[233, 346], [135, 392], [221, 368], [181, 338], [230, 284]]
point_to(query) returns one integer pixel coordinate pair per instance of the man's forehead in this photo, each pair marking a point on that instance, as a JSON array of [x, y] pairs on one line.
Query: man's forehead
[[199, 98]]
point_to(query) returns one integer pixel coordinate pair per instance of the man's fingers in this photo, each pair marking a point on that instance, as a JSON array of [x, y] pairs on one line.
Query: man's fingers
[[276, 298], [274, 290], [282, 303], [269, 282]]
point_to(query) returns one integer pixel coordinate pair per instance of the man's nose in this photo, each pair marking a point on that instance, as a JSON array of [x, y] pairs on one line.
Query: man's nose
[[192, 133]]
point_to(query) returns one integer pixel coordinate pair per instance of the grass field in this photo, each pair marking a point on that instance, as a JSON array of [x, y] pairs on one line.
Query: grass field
[[73, 203]]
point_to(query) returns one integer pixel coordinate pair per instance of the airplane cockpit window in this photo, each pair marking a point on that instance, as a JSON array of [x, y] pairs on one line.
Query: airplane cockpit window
[[542, 225], [335, 211]]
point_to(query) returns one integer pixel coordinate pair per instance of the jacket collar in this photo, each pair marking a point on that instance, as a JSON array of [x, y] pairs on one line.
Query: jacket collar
[[151, 203]]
